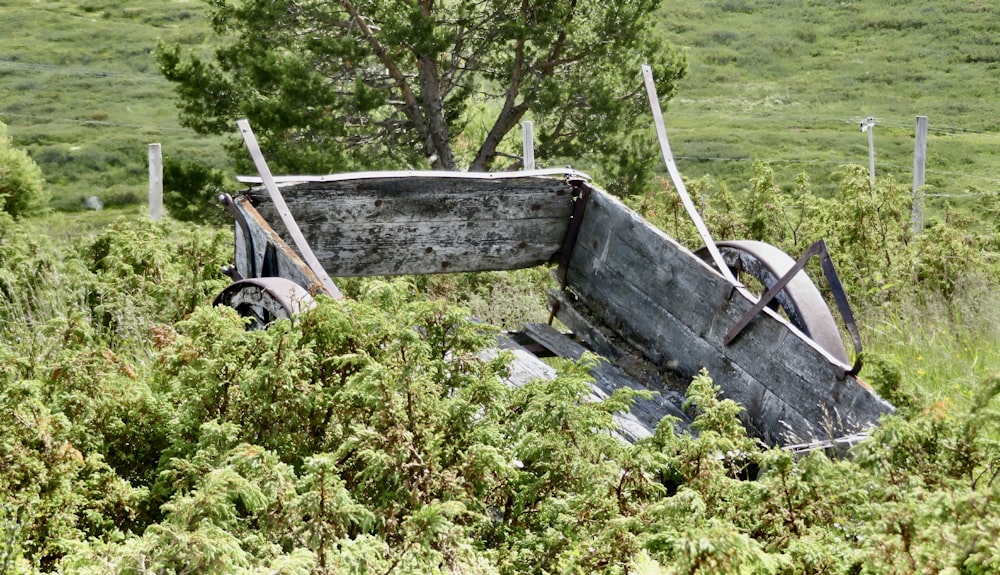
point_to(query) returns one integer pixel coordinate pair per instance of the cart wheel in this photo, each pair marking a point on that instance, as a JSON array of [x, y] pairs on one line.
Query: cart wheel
[[800, 300], [265, 300]]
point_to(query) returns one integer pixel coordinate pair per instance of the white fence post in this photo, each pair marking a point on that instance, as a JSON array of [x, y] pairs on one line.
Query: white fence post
[[528, 144], [155, 182], [868, 125], [919, 165]]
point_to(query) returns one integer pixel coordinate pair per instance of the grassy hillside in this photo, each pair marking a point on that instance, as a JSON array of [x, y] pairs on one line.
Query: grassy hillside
[[80, 90], [787, 81]]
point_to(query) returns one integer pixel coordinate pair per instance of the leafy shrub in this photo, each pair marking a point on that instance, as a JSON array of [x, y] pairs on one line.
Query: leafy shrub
[[191, 190], [152, 432], [22, 187]]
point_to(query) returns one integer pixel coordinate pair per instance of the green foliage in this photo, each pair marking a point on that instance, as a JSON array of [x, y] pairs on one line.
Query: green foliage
[[191, 191], [155, 433], [389, 84], [152, 270], [22, 187]]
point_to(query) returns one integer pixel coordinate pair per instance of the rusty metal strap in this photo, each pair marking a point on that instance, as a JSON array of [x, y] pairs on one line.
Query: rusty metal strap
[[840, 297], [581, 197], [817, 249]]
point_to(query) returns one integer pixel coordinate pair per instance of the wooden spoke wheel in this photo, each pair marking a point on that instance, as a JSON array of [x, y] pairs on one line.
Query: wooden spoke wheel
[[800, 300], [265, 300]]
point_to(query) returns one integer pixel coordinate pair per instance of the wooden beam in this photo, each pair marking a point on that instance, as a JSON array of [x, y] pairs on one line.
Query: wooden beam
[[398, 226]]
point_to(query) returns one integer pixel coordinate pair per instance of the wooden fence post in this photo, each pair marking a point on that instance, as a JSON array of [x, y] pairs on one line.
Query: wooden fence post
[[528, 144], [155, 182], [868, 125], [919, 165]]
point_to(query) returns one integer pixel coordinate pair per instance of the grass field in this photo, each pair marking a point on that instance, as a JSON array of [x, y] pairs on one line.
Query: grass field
[[784, 81], [787, 81], [81, 91]]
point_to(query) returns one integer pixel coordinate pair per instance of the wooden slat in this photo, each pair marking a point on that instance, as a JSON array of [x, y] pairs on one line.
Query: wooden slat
[[288, 263], [645, 414], [396, 226], [426, 199], [666, 302]]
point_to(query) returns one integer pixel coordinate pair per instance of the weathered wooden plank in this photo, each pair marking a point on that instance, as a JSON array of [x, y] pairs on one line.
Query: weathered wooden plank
[[664, 300], [284, 261], [645, 413], [429, 225], [437, 247], [616, 350], [764, 410], [392, 201]]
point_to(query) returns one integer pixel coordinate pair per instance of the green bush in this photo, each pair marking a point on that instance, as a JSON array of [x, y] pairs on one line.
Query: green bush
[[191, 191], [142, 430], [22, 187]]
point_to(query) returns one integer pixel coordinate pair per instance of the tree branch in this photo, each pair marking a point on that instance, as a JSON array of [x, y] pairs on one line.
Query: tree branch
[[511, 112], [411, 109]]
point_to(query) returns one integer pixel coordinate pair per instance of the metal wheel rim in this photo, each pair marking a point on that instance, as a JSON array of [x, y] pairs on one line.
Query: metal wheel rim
[[801, 300]]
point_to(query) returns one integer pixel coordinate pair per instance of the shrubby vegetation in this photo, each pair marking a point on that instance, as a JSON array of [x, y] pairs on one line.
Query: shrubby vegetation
[[22, 187], [867, 228], [142, 430], [191, 191]]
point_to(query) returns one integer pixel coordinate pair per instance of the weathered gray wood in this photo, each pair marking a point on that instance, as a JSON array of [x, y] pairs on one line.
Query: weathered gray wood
[[396, 226], [155, 154], [286, 263], [919, 169], [764, 410], [528, 144], [645, 414], [621, 353], [666, 302]]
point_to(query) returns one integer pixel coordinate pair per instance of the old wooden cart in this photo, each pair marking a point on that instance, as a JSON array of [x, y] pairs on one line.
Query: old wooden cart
[[656, 311]]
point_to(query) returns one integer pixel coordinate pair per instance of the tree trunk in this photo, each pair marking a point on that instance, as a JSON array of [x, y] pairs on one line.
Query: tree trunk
[[437, 147], [508, 117]]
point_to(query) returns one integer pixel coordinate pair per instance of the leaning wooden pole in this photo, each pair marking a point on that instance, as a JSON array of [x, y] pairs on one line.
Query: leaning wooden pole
[[675, 177], [284, 212]]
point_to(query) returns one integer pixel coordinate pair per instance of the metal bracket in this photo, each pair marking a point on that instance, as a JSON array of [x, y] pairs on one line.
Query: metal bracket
[[840, 298]]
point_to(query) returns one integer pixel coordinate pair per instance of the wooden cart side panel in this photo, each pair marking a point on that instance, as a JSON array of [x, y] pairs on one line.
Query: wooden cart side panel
[[767, 414], [668, 303], [421, 226], [285, 262]]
